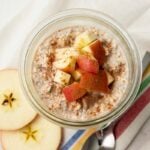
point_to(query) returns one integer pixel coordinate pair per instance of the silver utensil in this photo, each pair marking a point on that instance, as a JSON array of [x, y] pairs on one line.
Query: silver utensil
[[102, 140], [106, 139]]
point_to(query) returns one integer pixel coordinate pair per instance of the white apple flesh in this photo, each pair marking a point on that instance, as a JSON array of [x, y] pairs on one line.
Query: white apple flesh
[[83, 40], [62, 77], [66, 64], [15, 111], [66, 52], [38, 135], [110, 78]]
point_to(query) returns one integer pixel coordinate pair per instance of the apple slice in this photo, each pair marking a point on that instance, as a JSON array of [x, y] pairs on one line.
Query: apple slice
[[84, 39], [73, 92], [15, 111], [38, 135], [97, 50], [66, 64], [88, 64], [110, 78], [61, 77], [95, 82], [66, 52]]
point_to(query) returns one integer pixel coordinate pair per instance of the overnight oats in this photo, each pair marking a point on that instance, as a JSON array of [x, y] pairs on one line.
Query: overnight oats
[[80, 73]]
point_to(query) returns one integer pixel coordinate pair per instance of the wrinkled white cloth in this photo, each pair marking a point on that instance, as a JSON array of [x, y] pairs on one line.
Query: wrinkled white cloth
[[19, 17]]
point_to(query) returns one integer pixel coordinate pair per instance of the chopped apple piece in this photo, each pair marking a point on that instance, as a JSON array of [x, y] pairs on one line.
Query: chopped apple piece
[[62, 78], [59, 53], [97, 50], [88, 64], [110, 78], [84, 39], [76, 74], [66, 64], [73, 92], [95, 82], [81, 71], [66, 52]]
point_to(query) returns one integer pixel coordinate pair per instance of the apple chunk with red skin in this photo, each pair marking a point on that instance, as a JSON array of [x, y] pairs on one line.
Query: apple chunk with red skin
[[95, 82], [97, 50], [88, 64], [73, 92], [66, 64]]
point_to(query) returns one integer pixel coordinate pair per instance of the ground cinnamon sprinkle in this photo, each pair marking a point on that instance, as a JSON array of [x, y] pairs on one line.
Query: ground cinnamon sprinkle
[[109, 106]]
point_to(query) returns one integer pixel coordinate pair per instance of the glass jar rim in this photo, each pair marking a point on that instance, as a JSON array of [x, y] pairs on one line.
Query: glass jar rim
[[116, 112]]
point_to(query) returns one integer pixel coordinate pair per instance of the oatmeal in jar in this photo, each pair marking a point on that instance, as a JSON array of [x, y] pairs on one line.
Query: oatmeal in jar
[[80, 73]]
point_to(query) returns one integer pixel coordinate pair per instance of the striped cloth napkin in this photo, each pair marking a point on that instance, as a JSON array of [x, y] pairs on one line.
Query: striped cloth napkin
[[126, 128]]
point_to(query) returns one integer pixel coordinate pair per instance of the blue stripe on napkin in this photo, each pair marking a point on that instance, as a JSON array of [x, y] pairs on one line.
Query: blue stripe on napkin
[[72, 140]]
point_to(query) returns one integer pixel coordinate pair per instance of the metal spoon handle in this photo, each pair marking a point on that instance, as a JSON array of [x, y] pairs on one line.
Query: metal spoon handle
[[106, 138]]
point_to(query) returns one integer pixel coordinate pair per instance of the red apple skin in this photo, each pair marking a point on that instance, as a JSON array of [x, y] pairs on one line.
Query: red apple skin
[[73, 92], [98, 51], [95, 82], [87, 64]]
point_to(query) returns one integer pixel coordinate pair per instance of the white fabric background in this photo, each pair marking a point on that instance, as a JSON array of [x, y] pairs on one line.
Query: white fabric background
[[18, 17]]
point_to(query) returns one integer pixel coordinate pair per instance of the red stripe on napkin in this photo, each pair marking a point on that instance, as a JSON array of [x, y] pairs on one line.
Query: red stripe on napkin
[[132, 113]]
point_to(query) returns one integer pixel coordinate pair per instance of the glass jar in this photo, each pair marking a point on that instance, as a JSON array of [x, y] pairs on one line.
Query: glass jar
[[86, 17]]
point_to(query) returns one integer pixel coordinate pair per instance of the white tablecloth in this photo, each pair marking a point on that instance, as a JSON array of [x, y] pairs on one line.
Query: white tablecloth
[[18, 17]]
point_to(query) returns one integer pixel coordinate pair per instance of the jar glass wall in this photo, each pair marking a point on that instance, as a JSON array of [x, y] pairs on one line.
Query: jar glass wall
[[81, 17]]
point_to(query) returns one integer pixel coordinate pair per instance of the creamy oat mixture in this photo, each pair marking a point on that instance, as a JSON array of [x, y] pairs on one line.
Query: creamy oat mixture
[[92, 104]]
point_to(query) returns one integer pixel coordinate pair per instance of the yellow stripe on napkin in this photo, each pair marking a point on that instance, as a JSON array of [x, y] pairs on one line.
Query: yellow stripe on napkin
[[146, 72], [79, 144]]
